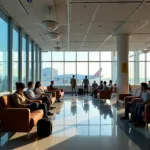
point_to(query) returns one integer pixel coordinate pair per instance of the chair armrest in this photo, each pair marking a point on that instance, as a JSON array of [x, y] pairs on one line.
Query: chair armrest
[[122, 96], [137, 100], [15, 116]]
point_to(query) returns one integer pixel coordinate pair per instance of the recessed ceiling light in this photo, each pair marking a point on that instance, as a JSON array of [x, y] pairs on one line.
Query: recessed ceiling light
[[99, 26], [84, 6]]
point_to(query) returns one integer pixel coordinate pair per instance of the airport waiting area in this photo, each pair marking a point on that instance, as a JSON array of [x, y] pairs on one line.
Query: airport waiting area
[[74, 74]]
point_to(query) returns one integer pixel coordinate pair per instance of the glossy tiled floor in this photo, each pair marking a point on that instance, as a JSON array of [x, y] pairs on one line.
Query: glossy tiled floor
[[82, 123]]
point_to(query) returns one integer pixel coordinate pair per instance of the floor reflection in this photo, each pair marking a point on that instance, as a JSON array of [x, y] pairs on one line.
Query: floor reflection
[[85, 116]]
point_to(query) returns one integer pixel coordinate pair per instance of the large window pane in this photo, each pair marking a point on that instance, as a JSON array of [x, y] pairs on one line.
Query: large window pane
[[94, 72], [82, 71], [57, 73], [15, 55], [148, 56], [141, 72], [142, 57], [46, 56], [57, 56], [30, 61], [46, 73], [70, 56], [3, 55], [105, 56], [106, 71], [82, 56], [148, 71], [93, 56], [24, 58], [70, 69], [35, 75], [131, 73], [131, 56]]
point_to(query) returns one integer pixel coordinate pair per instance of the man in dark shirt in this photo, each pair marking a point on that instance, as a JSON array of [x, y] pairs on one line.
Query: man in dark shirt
[[52, 86]]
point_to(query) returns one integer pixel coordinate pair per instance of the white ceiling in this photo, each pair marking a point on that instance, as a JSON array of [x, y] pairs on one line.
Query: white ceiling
[[84, 24]]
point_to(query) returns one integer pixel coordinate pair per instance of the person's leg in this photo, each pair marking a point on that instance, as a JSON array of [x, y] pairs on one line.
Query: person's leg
[[139, 114], [44, 108], [134, 113], [75, 90], [32, 106], [72, 91], [46, 100], [127, 109], [87, 90], [84, 89]]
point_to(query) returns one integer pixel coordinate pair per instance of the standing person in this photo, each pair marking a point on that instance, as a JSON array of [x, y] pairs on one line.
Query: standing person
[[73, 85], [86, 84]]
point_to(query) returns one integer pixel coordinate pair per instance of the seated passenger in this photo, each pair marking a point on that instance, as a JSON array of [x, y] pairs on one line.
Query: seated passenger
[[105, 87], [136, 116], [21, 101], [114, 89], [52, 86], [97, 88], [145, 98], [39, 90], [94, 86], [31, 95]]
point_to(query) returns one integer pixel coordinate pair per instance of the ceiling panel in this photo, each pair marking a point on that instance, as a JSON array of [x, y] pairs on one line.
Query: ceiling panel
[[142, 14], [114, 11], [79, 27], [96, 37], [145, 29], [77, 37], [103, 27], [140, 37], [82, 12], [130, 27], [108, 46], [75, 45], [89, 45]]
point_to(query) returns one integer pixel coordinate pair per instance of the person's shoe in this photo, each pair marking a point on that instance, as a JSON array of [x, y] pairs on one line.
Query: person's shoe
[[49, 114], [124, 118], [52, 108], [58, 101], [138, 124], [131, 121], [76, 95]]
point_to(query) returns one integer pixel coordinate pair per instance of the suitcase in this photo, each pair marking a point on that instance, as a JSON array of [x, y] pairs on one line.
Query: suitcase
[[80, 91], [44, 127]]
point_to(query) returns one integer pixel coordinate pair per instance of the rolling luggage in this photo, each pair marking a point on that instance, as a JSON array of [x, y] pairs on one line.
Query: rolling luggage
[[44, 127], [80, 91]]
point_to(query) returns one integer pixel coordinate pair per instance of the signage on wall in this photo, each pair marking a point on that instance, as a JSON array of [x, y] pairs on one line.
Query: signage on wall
[[124, 67]]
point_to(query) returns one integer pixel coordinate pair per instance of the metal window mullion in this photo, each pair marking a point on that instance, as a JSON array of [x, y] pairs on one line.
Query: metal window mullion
[[88, 63], [27, 59], [64, 69], [40, 65], [32, 53], [36, 55], [10, 54], [51, 65], [20, 54], [145, 68]]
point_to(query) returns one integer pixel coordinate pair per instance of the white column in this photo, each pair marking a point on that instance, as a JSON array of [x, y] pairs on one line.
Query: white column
[[122, 63]]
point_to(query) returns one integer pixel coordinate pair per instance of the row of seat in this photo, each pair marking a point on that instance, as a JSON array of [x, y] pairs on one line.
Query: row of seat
[[135, 96], [21, 119]]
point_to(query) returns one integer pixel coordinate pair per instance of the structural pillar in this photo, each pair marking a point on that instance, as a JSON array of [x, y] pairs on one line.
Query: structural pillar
[[122, 63]]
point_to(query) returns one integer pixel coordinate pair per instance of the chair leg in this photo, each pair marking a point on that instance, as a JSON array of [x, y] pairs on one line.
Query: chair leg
[[28, 134]]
